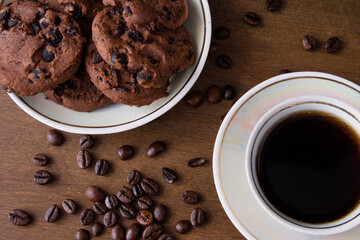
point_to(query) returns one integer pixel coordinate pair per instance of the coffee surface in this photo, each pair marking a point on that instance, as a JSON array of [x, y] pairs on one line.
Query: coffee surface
[[309, 167]]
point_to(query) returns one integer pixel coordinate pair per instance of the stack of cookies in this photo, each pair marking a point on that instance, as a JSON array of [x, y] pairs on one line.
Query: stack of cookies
[[85, 54]]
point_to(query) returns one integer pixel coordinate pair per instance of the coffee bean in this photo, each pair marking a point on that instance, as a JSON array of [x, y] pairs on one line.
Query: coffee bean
[[144, 217], [127, 211], [283, 71], [332, 45], [224, 61], [214, 47], [222, 32], [69, 206], [309, 42], [197, 217], [169, 175], [94, 193], [110, 219], [183, 226], [99, 208], [42, 177], [41, 159], [166, 237], [195, 99], [273, 5], [160, 213], [156, 148], [133, 232], [213, 94], [126, 152], [86, 141], [97, 229], [19, 217], [229, 92], [82, 234], [152, 232], [111, 202], [49, 56], [149, 186], [251, 18], [117, 233], [144, 202], [102, 167], [137, 190], [54, 137], [196, 162], [125, 195], [133, 178], [118, 58], [190, 197], [83, 159], [87, 217], [52, 214]]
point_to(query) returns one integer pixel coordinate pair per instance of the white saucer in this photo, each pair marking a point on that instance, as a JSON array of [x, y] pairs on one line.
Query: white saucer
[[229, 151]]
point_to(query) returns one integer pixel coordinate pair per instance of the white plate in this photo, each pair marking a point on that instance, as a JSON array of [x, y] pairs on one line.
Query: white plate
[[229, 151], [117, 117]]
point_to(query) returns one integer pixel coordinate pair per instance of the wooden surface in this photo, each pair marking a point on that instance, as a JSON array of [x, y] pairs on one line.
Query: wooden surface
[[257, 52]]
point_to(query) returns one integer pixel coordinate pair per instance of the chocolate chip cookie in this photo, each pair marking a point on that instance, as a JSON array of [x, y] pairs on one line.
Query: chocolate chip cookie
[[39, 48], [78, 93], [117, 84], [168, 13]]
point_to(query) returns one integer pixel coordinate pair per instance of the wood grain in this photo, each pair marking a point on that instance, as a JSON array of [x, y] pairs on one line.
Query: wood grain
[[257, 52]]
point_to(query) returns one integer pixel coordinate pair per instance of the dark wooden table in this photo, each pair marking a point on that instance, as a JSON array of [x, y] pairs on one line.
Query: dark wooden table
[[257, 52]]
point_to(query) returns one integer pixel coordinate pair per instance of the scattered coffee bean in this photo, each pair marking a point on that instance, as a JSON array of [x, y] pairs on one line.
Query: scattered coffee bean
[[127, 211], [99, 208], [102, 167], [273, 5], [125, 195], [19, 217], [42, 177], [213, 94], [97, 229], [169, 175], [126, 152], [94, 193], [133, 178], [40, 159], [144, 217], [222, 32], [166, 237], [229, 92], [138, 191], [197, 217], [152, 232], [160, 213], [86, 141], [111, 201], [251, 18], [110, 219], [69, 206], [87, 217], [214, 47], [183, 226], [54, 137], [149, 186], [224, 61], [283, 71], [332, 45], [196, 162], [82, 234], [133, 232], [117, 233], [83, 159], [156, 148], [144, 202], [190, 197], [195, 99], [52, 213], [309, 42]]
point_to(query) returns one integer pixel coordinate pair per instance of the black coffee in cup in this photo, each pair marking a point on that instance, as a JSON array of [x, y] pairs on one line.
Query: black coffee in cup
[[308, 167]]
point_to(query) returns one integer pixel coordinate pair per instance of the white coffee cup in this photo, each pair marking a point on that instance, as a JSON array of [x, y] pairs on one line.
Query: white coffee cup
[[339, 109]]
